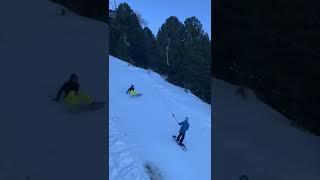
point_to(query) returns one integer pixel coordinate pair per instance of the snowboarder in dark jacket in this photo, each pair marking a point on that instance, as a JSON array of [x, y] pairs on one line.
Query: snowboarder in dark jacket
[[130, 89], [184, 127], [71, 85]]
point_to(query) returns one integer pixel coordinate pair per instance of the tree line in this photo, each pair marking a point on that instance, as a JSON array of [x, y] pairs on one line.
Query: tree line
[[181, 52]]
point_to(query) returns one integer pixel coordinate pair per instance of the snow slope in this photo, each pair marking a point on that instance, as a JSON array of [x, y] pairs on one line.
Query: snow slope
[[39, 50], [141, 128], [251, 138]]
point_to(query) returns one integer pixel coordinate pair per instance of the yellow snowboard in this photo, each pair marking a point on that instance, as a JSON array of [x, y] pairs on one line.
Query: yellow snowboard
[[134, 93], [79, 99]]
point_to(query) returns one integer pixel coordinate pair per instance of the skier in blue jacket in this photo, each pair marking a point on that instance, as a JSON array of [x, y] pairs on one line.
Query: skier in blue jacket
[[184, 127]]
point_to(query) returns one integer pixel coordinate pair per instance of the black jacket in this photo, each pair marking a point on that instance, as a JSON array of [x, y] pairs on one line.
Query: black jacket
[[130, 89], [67, 87]]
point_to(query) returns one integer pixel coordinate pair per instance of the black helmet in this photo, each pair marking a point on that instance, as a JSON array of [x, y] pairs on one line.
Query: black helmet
[[243, 177], [73, 76]]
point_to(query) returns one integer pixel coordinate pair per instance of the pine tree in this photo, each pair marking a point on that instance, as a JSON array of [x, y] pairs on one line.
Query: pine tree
[[189, 49], [171, 31], [198, 58], [127, 41], [152, 54]]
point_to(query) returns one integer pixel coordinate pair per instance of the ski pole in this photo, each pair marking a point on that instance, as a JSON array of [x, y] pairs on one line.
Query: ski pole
[[175, 118]]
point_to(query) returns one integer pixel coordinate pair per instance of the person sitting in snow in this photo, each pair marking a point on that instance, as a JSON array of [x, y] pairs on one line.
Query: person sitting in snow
[[184, 127], [71, 92], [130, 89], [132, 92]]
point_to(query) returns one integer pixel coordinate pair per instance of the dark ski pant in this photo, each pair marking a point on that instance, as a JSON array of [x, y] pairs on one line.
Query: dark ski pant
[[180, 137]]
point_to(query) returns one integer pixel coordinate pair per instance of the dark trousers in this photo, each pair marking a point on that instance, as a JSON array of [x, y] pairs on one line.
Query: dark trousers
[[180, 137]]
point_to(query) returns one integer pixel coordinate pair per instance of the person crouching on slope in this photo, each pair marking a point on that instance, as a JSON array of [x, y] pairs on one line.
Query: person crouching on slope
[[132, 92], [71, 92], [184, 127], [131, 89]]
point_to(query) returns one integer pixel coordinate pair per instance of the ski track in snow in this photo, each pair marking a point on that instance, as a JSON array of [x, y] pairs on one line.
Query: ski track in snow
[[123, 155], [148, 122], [249, 136]]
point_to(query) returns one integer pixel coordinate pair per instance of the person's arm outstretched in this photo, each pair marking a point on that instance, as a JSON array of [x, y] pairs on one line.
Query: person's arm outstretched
[[130, 89], [59, 92]]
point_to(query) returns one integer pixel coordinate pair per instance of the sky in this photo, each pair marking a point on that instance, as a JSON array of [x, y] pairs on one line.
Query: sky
[[156, 12]]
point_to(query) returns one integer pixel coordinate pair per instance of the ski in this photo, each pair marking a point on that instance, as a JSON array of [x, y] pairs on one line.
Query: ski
[[182, 146]]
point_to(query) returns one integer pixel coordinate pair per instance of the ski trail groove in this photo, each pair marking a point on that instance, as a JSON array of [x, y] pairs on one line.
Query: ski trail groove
[[124, 161]]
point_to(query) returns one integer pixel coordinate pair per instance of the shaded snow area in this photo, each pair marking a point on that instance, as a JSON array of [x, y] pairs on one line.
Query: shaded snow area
[[39, 51], [251, 138], [141, 128], [123, 157]]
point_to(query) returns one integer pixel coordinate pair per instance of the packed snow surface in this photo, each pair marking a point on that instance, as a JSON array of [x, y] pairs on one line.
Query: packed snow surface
[[251, 138], [39, 51], [141, 128]]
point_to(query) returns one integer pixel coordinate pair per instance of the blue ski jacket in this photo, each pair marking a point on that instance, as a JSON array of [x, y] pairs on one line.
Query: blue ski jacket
[[184, 126]]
